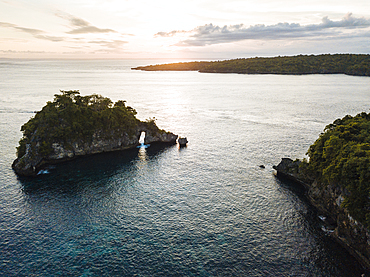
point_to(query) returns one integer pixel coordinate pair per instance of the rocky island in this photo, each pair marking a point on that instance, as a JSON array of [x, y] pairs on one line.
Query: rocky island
[[73, 125], [349, 64], [337, 179]]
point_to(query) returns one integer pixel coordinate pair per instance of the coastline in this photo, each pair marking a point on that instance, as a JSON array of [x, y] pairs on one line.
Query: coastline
[[147, 68], [347, 64], [349, 233], [73, 126]]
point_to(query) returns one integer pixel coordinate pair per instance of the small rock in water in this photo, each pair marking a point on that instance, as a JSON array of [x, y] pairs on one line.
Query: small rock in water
[[182, 141], [262, 166]]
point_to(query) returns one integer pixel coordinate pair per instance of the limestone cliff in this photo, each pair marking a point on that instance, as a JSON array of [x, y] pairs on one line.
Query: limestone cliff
[[32, 161], [328, 199], [73, 126]]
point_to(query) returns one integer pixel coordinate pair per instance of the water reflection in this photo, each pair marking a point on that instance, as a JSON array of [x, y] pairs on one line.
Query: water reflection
[[88, 173], [143, 157], [86, 193]]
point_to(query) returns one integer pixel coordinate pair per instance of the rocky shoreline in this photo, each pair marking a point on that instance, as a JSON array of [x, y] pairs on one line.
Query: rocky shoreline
[[33, 161], [74, 126], [347, 231]]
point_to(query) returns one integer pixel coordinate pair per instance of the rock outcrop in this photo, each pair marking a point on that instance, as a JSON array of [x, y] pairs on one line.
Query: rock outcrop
[[73, 126], [289, 169], [33, 160], [328, 199], [182, 141]]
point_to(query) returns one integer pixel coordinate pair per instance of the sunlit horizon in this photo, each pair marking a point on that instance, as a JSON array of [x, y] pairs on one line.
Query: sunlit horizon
[[197, 30]]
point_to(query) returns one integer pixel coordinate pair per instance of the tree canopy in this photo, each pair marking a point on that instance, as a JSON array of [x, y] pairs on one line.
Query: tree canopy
[[350, 64], [341, 156], [72, 117]]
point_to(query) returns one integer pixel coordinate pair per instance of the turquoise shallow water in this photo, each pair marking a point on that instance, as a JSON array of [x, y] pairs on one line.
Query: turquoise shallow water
[[204, 210]]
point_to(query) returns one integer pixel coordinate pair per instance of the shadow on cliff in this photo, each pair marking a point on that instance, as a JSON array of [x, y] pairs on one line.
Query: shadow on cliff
[[326, 245], [292, 186], [308, 211], [73, 176]]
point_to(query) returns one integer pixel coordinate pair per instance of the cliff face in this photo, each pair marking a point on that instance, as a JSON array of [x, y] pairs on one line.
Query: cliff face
[[328, 199], [74, 125], [33, 160]]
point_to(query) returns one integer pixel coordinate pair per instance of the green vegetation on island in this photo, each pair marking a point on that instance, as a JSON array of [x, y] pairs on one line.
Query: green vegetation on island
[[350, 64], [337, 179], [72, 117], [341, 157], [74, 125]]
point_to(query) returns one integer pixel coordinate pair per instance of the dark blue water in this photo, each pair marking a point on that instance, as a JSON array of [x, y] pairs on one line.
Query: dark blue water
[[204, 210]]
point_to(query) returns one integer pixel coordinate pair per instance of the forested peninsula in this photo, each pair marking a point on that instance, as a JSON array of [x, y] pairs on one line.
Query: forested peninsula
[[349, 64], [337, 178], [74, 125]]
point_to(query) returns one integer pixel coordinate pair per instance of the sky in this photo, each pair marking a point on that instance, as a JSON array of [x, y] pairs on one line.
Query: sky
[[192, 29]]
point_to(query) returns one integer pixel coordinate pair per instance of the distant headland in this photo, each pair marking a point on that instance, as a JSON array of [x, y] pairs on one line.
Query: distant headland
[[74, 125], [349, 64]]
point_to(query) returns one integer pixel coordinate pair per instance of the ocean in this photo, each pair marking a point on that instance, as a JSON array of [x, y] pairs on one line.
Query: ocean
[[208, 209]]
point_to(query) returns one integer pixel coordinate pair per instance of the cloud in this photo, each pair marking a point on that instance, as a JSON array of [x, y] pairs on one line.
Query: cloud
[[23, 52], [114, 44], [170, 34], [212, 34], [78, 22], [26, 30], [89, 30], [34, 32], [50, 38], [82, 26]]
